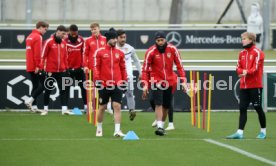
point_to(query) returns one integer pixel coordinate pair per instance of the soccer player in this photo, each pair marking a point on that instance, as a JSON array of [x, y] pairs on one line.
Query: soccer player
[[74, 45], [33, 59], [95, 41], [158, 73], [130, 55], [110, 74], [250, 70], [55, 63]]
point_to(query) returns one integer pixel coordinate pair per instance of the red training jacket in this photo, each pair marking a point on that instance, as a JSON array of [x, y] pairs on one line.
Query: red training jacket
[[74, 53], [54, 56], [159, 66], [252, 60], [90, 46], [110, 66], [33, 50]]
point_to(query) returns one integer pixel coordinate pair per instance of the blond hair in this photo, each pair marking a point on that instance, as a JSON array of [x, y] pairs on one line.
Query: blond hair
[[250, 35], [95, 24]]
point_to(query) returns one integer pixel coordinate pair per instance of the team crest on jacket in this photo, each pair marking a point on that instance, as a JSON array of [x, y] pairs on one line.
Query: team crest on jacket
[[62, 45], [169, 55], [20, 38], [251, 57], [117, 55], [102, 43], [92, 43]]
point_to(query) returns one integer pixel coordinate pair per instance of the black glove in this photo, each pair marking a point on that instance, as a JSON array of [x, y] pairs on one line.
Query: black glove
[[41, 74], [69, 72]]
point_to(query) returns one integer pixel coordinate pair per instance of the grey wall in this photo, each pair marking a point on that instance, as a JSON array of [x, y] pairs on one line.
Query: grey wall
[[136, 10]]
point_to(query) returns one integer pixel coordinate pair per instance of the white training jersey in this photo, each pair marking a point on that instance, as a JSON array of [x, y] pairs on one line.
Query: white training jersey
[[130, 56], [255, 20]]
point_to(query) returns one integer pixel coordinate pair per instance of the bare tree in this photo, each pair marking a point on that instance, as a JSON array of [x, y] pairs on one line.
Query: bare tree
[[176, 12]]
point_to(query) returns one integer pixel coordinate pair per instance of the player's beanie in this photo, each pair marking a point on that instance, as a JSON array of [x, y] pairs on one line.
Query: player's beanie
[[159, 34], [110, 34]]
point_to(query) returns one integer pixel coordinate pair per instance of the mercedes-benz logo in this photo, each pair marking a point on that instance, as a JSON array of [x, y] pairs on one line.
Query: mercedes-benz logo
[[174, 38]]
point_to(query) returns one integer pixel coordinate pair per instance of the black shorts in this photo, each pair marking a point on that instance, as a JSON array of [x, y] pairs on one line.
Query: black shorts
[[162, 97], [253, 95], [115, 94]]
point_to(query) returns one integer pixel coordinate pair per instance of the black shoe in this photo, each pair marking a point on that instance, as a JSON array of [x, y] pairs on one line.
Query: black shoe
[[160, 132], [132, 115]]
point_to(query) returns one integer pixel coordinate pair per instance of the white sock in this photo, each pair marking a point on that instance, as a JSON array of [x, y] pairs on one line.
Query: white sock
[[64, 108], [162, 123], [170, 124], [46, 108], [85, 107], [159, 124], [117, 127], [263, 130], [34, 106], [99, 126], [109, 106], [239, 131]]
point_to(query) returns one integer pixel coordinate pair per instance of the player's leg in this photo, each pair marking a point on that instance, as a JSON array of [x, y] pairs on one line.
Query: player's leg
[[64, 92], [157, 96], [116, 97], [256, 99], [103, 100], [244, 103]]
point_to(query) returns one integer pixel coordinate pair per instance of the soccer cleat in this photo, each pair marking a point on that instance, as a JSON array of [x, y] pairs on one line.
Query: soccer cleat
[[261, 135], [160, 132], [132, 115], [170, 127], [235, 136], [119, 134], [154, 124], [99, 133], [36, 110], [43, 113], [67, 112]]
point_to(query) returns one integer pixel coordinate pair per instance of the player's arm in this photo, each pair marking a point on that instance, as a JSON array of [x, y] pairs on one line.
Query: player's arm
[[239, 68], [136, 61], [37, 50], [257, 61]]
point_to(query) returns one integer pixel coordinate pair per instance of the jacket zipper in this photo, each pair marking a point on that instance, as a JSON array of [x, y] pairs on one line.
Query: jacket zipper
[[58, 56], [164, 66], [112, 73], [246, 69]]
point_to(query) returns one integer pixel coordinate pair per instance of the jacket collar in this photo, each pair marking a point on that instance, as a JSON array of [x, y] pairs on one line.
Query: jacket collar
[[36, 31]]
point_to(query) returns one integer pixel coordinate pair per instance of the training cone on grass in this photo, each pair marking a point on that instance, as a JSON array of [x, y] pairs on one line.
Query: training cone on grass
[[77, 111], [131, 136]]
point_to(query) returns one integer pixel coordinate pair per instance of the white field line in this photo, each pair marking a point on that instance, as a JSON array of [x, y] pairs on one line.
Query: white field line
[[243, 152]]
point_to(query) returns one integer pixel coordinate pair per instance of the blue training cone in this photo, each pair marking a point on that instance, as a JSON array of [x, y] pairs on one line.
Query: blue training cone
[[77, 111], [131, 136]]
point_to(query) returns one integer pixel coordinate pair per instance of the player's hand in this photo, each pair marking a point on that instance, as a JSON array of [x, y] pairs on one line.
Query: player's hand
[[145, 93], [36, 70], [244, 72], [85, 69], [185, 88]]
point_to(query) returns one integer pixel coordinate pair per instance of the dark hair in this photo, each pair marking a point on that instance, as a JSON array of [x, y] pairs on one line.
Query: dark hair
[[61, 28], [110, 34], [73, 28], [42, 24], [120, 32]]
